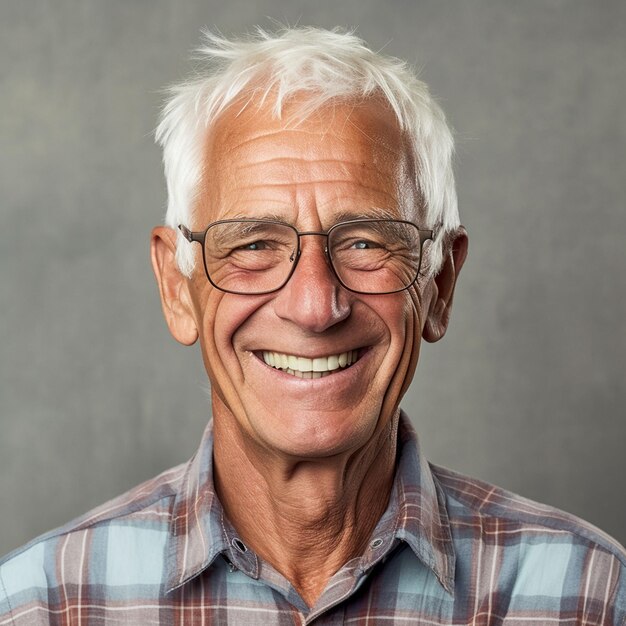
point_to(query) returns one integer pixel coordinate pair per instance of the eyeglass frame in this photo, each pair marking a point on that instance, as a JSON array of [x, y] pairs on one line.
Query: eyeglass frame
[[200, 237]]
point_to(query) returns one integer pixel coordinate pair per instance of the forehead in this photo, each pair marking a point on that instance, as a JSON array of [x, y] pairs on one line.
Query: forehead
[[342, 155]]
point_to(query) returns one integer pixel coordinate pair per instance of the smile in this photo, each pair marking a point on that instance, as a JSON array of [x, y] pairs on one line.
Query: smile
[[303, 367]]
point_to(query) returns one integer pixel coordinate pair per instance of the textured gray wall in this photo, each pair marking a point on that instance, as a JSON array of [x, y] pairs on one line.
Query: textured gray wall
[[527, 390]]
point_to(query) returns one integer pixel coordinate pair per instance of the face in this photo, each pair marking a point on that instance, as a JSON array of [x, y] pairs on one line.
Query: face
[[339, 164]]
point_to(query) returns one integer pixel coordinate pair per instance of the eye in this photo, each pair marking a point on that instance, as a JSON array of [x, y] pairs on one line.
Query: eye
[[254, 246], [364, 244]]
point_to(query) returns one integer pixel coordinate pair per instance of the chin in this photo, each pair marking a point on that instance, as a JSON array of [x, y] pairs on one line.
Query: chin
[[316, 435]]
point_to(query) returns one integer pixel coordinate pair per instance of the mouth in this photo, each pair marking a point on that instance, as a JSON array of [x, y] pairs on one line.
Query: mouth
[[304, 367]]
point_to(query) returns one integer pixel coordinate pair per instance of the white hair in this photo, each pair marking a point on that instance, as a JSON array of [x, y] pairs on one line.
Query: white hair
[[323, 66]]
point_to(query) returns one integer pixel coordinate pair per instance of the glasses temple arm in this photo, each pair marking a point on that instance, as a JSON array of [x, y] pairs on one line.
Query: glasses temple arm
[[189, 235]]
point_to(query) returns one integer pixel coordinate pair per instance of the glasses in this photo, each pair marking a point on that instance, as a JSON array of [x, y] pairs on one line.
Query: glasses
[[253, 257]]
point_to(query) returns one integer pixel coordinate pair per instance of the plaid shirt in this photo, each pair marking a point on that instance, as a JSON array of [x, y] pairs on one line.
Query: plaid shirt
[[448, 550]]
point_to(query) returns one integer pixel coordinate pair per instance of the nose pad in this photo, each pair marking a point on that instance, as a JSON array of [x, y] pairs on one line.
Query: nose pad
[[293, 255]]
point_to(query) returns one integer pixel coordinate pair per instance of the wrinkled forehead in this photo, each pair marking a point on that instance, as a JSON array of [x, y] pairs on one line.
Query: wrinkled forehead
[[372, 118], [363, 134]]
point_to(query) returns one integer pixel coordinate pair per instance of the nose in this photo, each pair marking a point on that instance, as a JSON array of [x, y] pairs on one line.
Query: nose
[[313, 299]]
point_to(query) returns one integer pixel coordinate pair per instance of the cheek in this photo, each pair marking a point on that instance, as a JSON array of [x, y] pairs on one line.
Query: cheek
[[419, 301], [412, 329], [225, 318], [207, 311], [212, 314], [413, 320], [400, 316], [406, 319]]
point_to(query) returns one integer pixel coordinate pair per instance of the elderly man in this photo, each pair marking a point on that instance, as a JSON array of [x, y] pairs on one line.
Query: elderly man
[[312, 240]]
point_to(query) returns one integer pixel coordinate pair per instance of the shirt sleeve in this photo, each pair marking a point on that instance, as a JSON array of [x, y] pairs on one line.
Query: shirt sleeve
[[6, 615], [24, 589]]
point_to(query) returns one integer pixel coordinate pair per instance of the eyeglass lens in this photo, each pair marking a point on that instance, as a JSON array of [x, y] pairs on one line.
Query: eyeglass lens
[[369, 256]]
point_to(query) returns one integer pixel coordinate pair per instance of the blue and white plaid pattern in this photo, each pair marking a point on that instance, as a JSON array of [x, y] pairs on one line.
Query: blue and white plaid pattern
[[448, 550]]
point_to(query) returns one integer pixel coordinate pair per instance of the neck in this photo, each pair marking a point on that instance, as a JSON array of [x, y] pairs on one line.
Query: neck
[[306, 517]]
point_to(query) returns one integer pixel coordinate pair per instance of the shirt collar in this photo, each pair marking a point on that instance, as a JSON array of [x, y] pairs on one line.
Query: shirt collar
[[196, 537], [416, 514], [420, 508]]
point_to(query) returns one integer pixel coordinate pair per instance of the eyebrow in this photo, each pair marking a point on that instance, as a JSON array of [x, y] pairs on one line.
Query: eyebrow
[[239, 229], [372, 213]]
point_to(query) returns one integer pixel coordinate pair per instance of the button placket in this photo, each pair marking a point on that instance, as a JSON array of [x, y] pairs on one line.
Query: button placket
[[239, 554]]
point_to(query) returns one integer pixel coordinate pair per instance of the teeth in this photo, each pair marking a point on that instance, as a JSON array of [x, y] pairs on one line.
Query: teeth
[[303, 367], [320, 365], [304, 364]]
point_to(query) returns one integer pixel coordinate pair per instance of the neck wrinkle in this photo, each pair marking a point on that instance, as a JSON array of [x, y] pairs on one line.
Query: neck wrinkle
[[306, 518]]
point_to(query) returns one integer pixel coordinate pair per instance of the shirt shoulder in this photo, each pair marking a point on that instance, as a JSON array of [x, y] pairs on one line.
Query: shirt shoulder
[[87, 550], [473, 498], [534, 549]]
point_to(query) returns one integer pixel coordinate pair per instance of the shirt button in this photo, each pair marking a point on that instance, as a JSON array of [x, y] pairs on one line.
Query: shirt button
[[239, 545], [376, 543]]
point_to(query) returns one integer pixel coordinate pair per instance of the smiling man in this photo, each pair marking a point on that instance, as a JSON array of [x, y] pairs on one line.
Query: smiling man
[[312, 241]]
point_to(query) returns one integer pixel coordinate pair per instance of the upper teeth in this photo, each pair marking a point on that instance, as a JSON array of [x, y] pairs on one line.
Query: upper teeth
[[301, 364]]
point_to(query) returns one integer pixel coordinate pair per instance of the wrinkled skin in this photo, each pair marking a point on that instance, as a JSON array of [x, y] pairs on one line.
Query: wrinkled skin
[[309, 450]]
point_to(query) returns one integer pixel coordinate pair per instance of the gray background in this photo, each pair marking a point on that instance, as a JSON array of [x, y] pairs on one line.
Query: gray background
[[527, 390]]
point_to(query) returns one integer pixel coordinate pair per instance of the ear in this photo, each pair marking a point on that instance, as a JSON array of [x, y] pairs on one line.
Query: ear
[[173, 286], [443, 288]]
